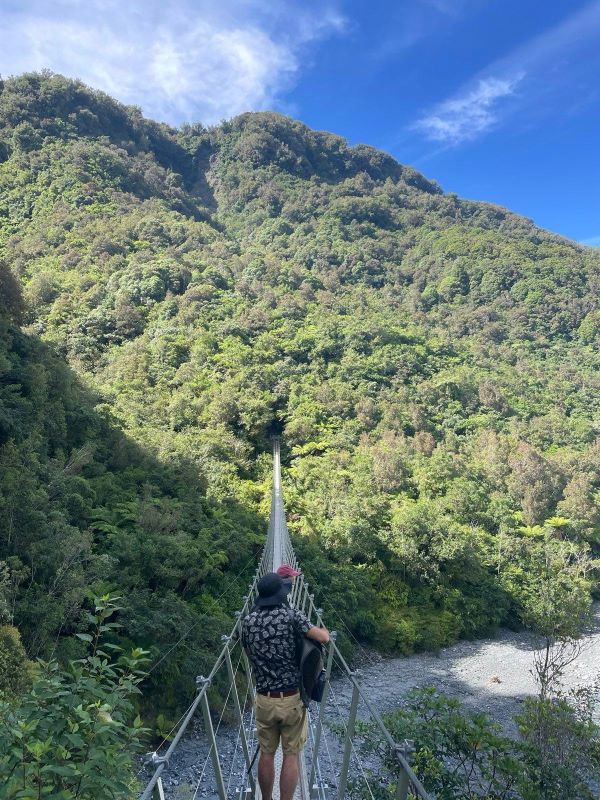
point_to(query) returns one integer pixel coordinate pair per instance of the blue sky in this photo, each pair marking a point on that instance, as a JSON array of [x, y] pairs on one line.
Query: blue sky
[[498, 100]]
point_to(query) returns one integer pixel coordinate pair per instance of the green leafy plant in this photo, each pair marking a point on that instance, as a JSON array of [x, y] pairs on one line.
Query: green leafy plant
[[462, 755], [560, 746], [459, 755], [74, 734]]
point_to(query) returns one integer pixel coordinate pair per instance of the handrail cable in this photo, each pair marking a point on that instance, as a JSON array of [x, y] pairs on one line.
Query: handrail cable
[[252, 742], [202, 616], [372, 661], [329, 757], [238, 739], [310, 742], [278, 550], [203, 683], [202, 774], [234, 757], [239, 734], [396, 749], [355, 752], [216, 731]]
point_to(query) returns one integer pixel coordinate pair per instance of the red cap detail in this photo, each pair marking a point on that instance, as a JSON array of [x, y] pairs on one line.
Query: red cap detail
[[285, 571]]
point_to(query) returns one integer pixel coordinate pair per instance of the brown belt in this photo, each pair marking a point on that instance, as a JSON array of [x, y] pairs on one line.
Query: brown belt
[[289, 693]]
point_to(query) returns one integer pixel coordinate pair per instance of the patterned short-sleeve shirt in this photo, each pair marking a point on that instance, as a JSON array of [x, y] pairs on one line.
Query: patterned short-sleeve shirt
[[268, 634]]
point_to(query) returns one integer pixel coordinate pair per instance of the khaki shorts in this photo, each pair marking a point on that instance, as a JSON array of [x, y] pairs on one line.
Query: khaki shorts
[[281, 717]]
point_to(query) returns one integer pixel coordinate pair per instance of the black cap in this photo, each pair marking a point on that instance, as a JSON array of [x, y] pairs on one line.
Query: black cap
[[271, 590]]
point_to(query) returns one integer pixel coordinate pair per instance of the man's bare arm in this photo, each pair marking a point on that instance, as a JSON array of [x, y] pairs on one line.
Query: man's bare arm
[[318, 634]]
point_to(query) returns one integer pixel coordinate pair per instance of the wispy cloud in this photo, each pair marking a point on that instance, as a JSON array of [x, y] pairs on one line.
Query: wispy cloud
[[536, 78], [182, 61], [411, 22], [466, 117]]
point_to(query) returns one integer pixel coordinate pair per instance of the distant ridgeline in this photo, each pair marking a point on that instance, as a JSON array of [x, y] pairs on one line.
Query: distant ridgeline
[[433, 364]]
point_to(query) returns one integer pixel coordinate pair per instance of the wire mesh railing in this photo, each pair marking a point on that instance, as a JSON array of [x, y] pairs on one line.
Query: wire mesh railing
[[331, 761]]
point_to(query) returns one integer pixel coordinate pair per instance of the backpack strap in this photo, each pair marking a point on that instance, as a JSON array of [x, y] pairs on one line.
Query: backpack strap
[[299, 640], [298, 637]]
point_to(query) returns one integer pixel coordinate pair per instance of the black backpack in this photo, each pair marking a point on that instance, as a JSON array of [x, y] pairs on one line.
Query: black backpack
[[309, 657]]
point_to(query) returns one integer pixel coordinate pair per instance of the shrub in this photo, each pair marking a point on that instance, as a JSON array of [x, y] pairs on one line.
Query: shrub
[[73, 734], [14, 667], [464, 755], [561, 747]]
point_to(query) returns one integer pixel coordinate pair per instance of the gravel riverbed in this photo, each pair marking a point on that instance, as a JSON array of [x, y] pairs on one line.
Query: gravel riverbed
[[491, 675]]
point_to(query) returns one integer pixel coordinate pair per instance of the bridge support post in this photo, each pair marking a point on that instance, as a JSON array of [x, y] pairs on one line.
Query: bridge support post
[[239, 712], [210, 732], [402, 752], [297, 588], [348, 742], [323, 703], [304, 598], [311, 603], [402, 786]]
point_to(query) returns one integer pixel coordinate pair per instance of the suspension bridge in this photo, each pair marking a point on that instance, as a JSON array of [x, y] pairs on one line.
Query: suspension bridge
[[331, 765]]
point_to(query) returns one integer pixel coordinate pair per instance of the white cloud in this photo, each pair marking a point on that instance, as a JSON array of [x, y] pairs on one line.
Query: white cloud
[[222, 71], [465, 117], [183, 61], [553, 71]]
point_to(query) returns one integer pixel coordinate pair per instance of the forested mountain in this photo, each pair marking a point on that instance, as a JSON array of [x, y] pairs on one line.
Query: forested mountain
[[433, 364]]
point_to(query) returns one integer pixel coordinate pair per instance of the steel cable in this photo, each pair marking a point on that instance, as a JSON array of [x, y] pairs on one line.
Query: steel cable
[[324, 738], [233, 759], [252, 737], [165, 738], [353, 750], [318, 772], [239, 734], [338, 616], [202, 774], [201, 618], [251, 745], [215, 734]]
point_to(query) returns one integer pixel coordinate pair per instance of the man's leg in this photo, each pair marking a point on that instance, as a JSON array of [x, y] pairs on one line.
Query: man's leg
[[267, 728], [293, 739], [266, 774], [289, 776]]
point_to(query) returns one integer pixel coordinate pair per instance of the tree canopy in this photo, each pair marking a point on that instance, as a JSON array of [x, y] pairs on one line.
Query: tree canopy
[[432, 363]]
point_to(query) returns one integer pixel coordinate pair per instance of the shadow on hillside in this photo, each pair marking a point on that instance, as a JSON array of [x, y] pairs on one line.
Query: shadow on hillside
[[93, 511]]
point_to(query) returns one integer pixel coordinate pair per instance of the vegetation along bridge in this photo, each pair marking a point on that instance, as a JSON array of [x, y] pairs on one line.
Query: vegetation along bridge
[[329, 761]]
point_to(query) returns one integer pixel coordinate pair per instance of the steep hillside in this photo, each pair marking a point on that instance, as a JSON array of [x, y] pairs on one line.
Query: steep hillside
[[432, 362], [85, 510]]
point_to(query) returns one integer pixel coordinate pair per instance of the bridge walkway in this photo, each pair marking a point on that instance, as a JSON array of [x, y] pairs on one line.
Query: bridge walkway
[[327, 766]]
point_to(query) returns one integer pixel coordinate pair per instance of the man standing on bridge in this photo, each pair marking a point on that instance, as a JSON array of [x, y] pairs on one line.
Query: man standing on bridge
[[269, 638]]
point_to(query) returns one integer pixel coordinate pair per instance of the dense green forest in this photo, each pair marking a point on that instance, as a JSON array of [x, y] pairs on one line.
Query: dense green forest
[[170, 297]]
